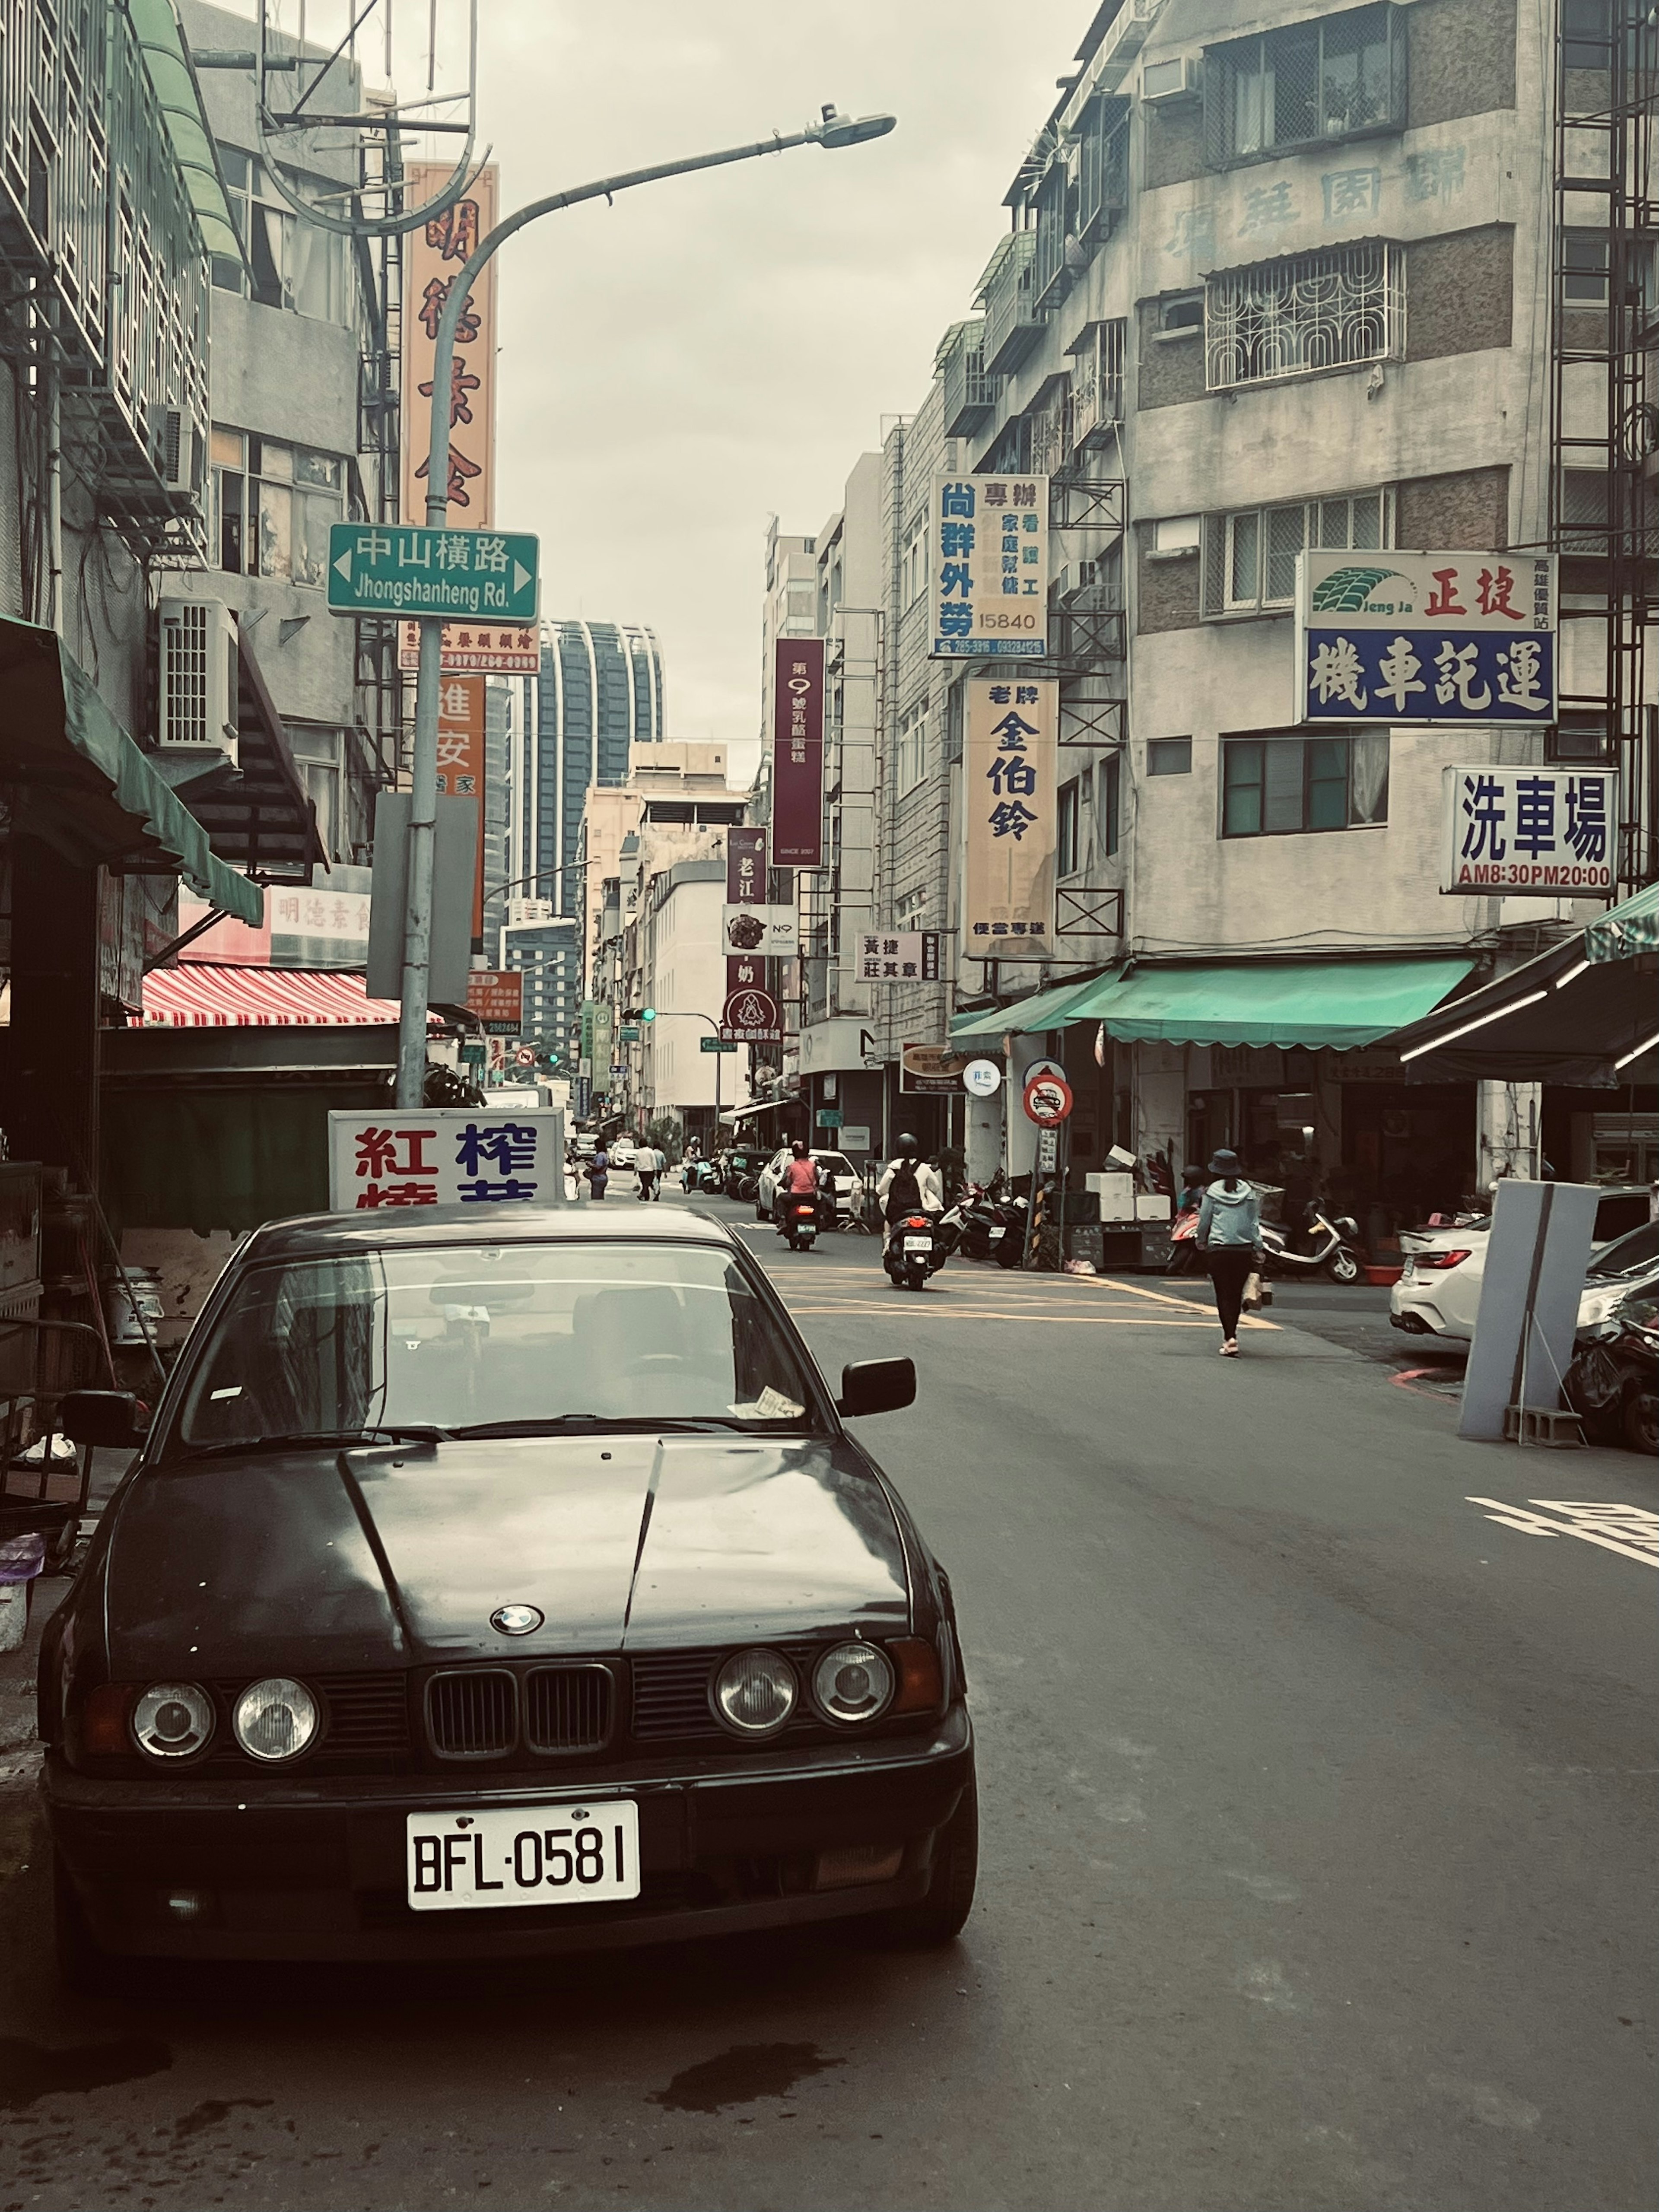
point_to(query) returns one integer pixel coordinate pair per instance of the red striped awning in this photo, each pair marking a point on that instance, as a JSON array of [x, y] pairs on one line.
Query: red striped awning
[[198, 995]]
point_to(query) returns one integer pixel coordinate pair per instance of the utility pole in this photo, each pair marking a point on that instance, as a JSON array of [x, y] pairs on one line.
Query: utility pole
[[831, 130]]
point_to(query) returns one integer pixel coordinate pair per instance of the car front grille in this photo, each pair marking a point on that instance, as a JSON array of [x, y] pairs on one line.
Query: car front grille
[[473, 1714], [568, 1708]]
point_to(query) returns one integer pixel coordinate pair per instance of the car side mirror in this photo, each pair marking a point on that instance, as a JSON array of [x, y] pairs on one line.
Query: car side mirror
[[876, 1386], [114, 1418]]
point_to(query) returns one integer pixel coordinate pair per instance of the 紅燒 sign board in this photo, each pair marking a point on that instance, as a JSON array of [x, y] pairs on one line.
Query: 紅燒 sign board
[[450, 1156]]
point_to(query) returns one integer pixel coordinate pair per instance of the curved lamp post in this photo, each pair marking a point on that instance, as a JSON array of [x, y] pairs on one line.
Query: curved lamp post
[[832, 130]]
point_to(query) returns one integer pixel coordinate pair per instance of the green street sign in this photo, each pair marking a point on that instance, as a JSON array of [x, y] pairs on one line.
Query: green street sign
[[629, 1033], [828, 1117], [463, 575], [716, 1044], [475, 1055]]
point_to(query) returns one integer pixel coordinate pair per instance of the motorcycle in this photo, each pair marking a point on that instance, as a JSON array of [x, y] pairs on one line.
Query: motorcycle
[[1336, 1249], [799, 1222], [700, 1176], [979, 1226], [913, 1251], [1185, 1258], [1612, 1384]]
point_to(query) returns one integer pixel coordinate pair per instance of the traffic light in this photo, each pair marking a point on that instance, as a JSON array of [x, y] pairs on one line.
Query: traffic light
[[647, 1013]]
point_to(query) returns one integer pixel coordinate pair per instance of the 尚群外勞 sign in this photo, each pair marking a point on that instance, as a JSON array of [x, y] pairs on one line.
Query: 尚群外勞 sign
[[1463, 638], [987, 567], [1539, 830]]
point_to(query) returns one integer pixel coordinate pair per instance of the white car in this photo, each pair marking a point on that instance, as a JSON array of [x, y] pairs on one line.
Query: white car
[[1438, 1293], [835, 1172], [623, 1152]]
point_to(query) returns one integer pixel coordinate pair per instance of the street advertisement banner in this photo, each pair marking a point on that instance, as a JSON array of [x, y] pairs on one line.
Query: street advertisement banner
[[897, 956], [746, 867], [497, 649], [495, 996], [447, 1155], [1460, 638], [461, 765], [798, 753], [1010, 810], [1540, 830], [750, 1014], [772, 930], [987, 567], [933, 1071], [433, 256]]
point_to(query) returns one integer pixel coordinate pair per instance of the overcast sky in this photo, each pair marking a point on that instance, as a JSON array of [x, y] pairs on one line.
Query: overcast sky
[[711, 350]]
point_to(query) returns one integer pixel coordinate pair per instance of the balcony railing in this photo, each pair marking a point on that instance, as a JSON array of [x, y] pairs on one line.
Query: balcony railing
[[970, 392], [97, 232], [1014, 320]]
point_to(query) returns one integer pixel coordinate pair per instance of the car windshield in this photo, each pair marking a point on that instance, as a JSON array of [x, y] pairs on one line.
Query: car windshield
[[1629, 1255], [506, 1338]]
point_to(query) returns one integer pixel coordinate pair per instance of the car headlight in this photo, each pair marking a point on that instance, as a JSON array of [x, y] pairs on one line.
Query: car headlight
[[172, 1720], [853, 1682], [274, 1719], [755, 1692]]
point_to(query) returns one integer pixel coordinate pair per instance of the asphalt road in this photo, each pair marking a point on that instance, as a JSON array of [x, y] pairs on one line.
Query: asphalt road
[[1318, 1845]]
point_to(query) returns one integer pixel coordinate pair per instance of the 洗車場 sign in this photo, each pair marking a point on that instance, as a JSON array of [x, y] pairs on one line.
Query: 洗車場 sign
[[397, 569], [1425, 637], [1542, 830]]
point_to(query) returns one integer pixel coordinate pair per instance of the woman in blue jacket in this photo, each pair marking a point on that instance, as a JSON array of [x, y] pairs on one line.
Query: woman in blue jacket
[[1229, 1232]]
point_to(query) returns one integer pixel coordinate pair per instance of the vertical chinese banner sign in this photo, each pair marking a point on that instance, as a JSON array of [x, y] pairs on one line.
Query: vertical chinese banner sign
[[987, 567], [746, 876], [798, 753], [1009, 812], [433, 256], [461, 763]]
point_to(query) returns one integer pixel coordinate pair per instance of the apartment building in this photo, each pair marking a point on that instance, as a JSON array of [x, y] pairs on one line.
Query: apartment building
[[1271, 281]]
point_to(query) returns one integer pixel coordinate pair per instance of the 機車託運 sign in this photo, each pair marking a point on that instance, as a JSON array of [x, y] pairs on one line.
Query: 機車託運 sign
[[1009, 810], [1425, 637], [987, 567], [1546, 831], [453, 1156]]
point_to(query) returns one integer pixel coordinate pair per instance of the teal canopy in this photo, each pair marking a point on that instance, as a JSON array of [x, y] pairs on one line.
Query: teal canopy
[[84, 786], [1624, 930], [1043, 1010], [1341, 1004], [178, 96]]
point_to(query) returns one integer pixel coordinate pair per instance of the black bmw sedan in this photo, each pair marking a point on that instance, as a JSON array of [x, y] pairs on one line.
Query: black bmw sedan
[[495, 1589]]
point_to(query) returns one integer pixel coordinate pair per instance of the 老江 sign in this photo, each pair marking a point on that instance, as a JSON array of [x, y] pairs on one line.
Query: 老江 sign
[[1426, 637]]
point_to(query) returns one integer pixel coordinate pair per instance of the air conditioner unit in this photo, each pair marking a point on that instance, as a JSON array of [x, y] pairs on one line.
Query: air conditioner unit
[[176, 449], [196, 706], [1179, 78]]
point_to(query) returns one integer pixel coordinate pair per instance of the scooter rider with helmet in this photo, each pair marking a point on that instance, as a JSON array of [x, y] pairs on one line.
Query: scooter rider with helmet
[[800, 1178], [909, 1184]]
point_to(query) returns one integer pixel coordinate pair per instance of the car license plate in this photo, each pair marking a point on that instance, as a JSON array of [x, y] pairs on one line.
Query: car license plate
[[585, 1852], [995, 1233], [918, 1244]]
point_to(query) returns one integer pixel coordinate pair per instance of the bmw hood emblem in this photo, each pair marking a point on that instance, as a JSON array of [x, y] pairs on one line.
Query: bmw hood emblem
[[516, 1619]]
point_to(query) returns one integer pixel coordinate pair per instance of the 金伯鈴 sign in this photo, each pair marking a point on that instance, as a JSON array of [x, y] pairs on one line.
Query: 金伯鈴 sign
[[1426, 637], [452, 1156], [1009, 806], [1539, 830], [987, 567]]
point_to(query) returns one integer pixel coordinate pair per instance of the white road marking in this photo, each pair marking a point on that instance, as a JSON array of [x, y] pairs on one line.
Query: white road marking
[[1632, 1530]]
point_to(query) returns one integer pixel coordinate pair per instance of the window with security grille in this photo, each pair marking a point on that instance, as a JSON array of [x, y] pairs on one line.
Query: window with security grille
[[1340, 77], [1249, 555], [1276, 786], [1307, 312], [274, 505]]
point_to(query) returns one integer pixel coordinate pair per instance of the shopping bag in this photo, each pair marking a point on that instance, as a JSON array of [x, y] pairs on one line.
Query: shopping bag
[[1252, 1297]]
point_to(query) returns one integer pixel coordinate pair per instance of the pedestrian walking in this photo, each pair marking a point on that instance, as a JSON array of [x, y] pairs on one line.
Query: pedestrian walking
[[1229, 1235], [649, 1164], [598, 1173]]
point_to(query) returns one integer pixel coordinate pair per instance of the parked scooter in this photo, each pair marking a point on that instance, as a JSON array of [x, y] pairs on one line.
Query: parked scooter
[[913, 1251], [980, 1212], [699, 1176], [1613, 1383], [798, 1220], [1335, 1247]]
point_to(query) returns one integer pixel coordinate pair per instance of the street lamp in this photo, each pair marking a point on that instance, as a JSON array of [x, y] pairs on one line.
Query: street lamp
[[832, 130]]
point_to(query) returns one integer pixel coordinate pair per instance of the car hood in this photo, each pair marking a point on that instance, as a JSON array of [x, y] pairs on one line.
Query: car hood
[[382, 1557]]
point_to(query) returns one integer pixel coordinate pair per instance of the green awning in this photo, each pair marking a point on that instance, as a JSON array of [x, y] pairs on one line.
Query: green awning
[[180, 98], [84, 787], [1624, 930], [1043, 1010], [1341, 1004]]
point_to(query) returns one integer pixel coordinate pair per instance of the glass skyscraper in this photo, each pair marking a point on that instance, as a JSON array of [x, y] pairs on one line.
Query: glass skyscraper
[[600, 692]]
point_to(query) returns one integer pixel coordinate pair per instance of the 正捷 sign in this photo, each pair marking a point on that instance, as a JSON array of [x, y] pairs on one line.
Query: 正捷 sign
[[987, 567], [1426, 637], [450, 1156], [1541, 830]]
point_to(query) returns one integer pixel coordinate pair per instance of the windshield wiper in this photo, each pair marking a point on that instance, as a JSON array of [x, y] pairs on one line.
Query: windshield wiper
[[643, 1423], [421, 1432]]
